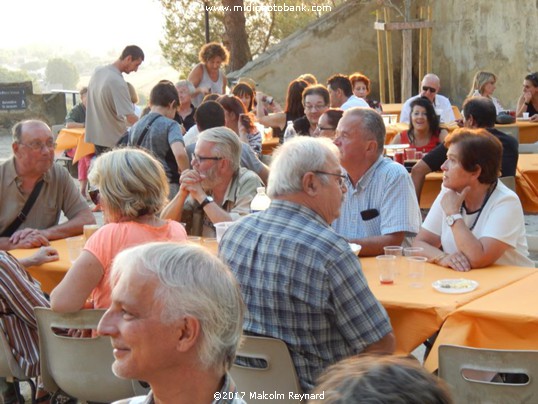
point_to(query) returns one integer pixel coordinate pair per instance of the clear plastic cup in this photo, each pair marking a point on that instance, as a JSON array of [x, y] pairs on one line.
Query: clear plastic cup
[[221, 228], [74, 247], [416, 267], [386, 266]]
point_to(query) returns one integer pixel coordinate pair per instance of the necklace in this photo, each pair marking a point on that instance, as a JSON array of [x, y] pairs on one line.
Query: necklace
[[479, 211]]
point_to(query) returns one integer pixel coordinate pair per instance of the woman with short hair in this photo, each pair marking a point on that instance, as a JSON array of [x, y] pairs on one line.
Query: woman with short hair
[[132, 189], [207, 76], [528, 101], [476, 221]]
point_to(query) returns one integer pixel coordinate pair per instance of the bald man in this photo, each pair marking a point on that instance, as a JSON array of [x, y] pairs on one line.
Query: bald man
[[429, 88]]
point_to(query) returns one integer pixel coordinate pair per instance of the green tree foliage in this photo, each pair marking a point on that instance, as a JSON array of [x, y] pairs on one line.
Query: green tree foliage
[[185, 28], [63, 72], [13, 76]]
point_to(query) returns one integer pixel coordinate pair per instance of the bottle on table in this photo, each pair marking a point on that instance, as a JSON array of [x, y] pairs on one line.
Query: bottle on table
[[260, 202], [290, 132]]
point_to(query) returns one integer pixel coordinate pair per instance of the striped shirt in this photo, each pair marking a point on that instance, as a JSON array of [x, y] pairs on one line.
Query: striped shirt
[[302, 284], [386, 187], [19, 294]]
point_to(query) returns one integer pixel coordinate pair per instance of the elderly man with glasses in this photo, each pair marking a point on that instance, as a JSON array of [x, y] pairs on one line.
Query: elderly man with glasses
[[217, 189], [30, 175], [429, 88]]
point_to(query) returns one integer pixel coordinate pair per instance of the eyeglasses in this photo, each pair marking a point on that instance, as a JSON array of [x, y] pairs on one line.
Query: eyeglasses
[[201, 159], [430, 89], [40, 146], [317, 107], [341, 178], [321, 128], [95, 196]]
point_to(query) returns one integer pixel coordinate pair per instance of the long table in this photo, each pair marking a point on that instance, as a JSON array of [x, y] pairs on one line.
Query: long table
[[71, 138], [527, 132], [417, 313], [504, 319]]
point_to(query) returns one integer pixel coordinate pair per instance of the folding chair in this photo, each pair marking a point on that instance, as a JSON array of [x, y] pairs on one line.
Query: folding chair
[[459, 367], [279, 375]]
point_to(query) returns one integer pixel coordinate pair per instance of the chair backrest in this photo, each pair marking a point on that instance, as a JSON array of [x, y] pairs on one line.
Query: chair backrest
[[9, 367], [455, 360], [457, 112], [79, 366], [279, 375], [510, 182], [528, 148]]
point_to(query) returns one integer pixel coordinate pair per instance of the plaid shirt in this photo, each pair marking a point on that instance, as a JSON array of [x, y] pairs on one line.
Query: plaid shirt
[[302, 284]]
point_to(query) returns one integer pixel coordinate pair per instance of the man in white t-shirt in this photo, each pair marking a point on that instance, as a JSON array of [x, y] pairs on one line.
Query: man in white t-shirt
[[341, 93], [429, 88]]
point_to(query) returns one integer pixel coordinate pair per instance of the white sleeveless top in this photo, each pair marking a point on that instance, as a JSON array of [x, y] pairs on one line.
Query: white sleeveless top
[[215, 86]]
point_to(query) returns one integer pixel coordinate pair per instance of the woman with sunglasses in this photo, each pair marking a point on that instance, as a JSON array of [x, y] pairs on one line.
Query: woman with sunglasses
[[528, 102], [133, 188], [424, 131]]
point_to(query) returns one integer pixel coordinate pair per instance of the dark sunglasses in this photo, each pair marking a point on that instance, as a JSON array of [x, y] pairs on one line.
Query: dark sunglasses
[[94, 196], [430, 89]]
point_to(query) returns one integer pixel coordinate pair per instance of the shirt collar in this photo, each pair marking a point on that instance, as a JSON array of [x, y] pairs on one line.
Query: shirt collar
[[364, 181], [294, 207]]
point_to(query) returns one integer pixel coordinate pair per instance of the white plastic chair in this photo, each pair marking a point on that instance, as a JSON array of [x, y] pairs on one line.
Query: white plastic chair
[[81, 367], [9, 367], [457, 363], [279, 375]]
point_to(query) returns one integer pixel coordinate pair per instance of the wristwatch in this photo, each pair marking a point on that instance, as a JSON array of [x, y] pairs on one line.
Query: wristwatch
[[451, 219], [208, 199]]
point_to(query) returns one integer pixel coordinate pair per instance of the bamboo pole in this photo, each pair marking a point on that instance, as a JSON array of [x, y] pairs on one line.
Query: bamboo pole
[[421, 38], [429, 42], [390, 65], [380, 61]]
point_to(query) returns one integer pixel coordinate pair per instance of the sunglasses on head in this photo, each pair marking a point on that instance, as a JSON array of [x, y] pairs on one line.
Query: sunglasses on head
[[430, 89]]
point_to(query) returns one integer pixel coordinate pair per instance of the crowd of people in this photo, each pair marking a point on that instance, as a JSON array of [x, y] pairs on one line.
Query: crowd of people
[[194, 159]]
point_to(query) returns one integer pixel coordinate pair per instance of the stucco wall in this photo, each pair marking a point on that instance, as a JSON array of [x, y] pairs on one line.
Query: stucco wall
[[469, 35]]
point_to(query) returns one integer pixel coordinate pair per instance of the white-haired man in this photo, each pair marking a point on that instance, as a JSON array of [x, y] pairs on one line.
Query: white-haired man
[[217, 189], [185, 109], [175, 322], [31, 175], [429, 88], [300, 280]]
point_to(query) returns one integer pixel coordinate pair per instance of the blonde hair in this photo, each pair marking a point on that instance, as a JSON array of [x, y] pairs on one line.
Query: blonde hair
[[131, 182], [479, 81]]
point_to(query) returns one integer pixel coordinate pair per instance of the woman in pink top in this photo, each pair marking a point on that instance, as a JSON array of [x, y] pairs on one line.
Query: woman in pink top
[[424, 132], [132, 189]]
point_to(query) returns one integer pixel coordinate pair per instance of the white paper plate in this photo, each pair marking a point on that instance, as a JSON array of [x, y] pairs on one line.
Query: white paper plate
[[455, 286], [523, 119], [356, 248]]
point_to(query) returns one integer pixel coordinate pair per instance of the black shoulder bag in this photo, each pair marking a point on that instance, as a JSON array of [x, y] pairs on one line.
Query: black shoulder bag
[[21, 217]]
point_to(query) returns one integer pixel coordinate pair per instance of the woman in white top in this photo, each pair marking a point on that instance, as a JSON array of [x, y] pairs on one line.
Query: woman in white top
[[484, 85], [207, 77], [475, 221]]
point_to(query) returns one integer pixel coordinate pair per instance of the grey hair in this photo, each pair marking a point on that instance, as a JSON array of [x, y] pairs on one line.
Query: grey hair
[[131, 182], [227, 144], [194, 283], [186, 83], [16, 131], [294, 159], [370, 124]]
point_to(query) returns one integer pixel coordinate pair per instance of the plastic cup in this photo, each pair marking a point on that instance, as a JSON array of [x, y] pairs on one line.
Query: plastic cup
[[525, 115], [74, 247], [410, 154], [397, 251], [416, 267], [419, 155], [221, 229], [194, 239], [88, 230], [386, 265], [399, 157], [412, 251]]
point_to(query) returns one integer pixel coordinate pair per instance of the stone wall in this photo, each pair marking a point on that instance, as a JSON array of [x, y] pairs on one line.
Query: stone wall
[[50, 108], [468, 35]]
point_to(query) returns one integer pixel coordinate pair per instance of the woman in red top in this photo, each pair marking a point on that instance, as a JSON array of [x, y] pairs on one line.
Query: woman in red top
[[424, 132]]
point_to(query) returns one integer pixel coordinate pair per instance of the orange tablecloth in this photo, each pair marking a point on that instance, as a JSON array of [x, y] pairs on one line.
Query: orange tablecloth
[[70, 138], [528, 131], [416, 314], [51, 274], [527, 182], [504, 319]]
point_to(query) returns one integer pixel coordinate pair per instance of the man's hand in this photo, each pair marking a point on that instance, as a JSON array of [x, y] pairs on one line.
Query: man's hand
[[29, 238], [191, 182]]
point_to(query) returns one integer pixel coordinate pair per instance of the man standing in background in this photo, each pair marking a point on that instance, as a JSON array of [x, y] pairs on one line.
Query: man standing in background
[[109, 107]]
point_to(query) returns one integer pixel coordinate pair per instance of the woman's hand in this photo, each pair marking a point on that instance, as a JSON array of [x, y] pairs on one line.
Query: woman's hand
[[457, 261], [527, 96], [452, 200]]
